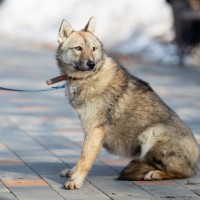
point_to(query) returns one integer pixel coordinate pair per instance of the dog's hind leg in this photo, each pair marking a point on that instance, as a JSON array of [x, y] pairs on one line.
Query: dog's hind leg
[[155, 167], [135, 170], [172, 165], [175, 170]]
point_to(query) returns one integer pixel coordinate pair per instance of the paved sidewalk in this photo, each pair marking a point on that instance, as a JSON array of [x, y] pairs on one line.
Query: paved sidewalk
[[40, 135]]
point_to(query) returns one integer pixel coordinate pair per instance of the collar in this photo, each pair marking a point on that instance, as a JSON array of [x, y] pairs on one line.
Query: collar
[[62, 78]]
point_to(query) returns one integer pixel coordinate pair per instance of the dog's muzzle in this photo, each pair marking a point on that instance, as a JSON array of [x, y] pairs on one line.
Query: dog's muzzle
[[88, 66]]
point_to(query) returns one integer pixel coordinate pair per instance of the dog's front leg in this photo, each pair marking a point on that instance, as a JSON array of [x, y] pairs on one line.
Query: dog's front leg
[[92, 144]]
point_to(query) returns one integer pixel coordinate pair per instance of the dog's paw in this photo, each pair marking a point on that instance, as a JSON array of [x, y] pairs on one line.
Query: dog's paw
[[67, 172], [153, 175], [73, 184]]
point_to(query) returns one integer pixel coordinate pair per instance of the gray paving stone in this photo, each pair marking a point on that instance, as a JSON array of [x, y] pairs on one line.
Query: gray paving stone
[[57, 142], [197, 191], [47, 168], [64, 124], [88, 191], [18, 140], [29, 123], [180, 198], [7, 196], [41, 133], [66, 155], [16, 171], [119, 189], [55, 180], [5, 124], [6, 154], [35, 193], [37, 155], [99, 169], [3, 188], [190, 183], [169, 191], [12, 167]]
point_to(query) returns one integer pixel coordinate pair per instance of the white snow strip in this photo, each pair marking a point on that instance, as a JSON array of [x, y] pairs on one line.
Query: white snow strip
[[125, 26]]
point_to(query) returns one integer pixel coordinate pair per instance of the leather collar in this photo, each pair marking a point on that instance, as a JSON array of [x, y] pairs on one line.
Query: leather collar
[[61, 78]]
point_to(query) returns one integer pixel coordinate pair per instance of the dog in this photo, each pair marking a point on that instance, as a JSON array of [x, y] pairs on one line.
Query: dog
[[120, 112]]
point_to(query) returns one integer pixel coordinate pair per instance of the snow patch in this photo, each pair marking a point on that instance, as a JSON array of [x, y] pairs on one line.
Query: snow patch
[[128, 26]]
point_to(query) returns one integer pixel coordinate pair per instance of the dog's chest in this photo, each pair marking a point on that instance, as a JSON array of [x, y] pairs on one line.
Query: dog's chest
[[75, 95], [88, 104], [81, 98]]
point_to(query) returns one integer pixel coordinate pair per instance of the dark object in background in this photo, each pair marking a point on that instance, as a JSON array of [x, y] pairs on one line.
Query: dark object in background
[[186, 15], [1, 1]]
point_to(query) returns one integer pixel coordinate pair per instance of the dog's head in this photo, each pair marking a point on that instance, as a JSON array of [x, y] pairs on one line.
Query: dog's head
[[79, 52]]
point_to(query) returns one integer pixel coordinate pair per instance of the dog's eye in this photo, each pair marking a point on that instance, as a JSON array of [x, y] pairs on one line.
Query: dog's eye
[[93, 48], [79, 48]]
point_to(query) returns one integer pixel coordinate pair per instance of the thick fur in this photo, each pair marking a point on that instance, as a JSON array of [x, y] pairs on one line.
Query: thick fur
[[121, 113]]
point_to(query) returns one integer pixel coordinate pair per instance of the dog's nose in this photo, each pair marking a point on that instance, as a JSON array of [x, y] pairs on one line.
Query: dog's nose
[[90, 64]]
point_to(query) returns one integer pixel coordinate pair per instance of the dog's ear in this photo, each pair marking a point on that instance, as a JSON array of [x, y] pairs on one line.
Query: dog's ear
[[64, 31], [90, 25]]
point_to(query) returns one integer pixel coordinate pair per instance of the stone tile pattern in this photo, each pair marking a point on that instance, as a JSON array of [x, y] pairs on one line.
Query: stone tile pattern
[[40, 135]]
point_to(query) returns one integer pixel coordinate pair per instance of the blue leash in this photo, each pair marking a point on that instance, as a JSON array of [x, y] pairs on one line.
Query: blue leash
[[42, 90]]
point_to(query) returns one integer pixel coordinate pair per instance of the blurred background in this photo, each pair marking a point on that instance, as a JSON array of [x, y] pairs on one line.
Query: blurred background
[[130, 27]]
